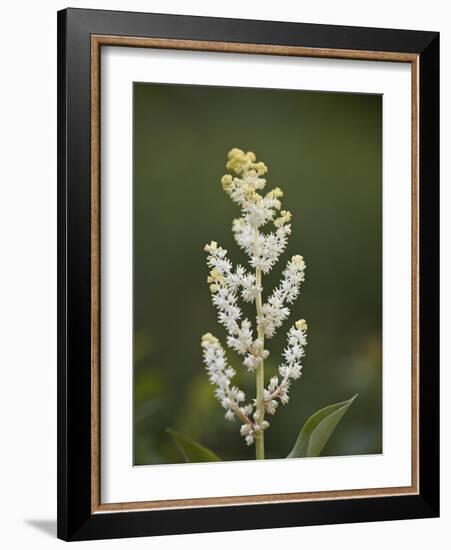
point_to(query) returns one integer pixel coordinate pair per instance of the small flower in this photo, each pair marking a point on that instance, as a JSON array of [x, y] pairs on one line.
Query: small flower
[[285, 217], [249, 440], [226, 181], [301, 325], [276, 193], [271, 406], [261, 168], [211, 247], [230, 415]]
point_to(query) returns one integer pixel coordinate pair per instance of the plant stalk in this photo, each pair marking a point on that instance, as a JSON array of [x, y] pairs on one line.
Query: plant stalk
[[260, 380]]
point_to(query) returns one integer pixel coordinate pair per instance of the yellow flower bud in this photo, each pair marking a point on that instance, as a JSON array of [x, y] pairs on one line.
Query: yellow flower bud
[[301, 324], [276, 193], [211, 247], [237, 224], [234, 152], [209, 339], [298, 262], [226, 182], [215, 277], [261, 168], [285, 217]]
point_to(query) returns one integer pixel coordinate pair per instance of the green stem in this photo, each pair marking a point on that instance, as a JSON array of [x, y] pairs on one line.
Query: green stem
[[260, 380]]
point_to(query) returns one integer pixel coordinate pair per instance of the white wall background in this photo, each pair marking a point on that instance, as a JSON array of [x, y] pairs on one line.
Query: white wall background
[[28, 272]]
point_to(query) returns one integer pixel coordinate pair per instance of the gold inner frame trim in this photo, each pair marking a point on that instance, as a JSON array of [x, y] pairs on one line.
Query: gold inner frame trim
[[97, 41]]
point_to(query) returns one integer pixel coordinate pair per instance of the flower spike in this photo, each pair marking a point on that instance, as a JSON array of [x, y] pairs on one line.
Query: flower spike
[[227, 284]]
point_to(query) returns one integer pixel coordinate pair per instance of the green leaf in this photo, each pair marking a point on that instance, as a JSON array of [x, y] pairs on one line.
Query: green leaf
[[318, 428], [191, 450]]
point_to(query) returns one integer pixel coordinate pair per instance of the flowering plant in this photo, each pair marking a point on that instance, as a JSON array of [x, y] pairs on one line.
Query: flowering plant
[[227, 284]]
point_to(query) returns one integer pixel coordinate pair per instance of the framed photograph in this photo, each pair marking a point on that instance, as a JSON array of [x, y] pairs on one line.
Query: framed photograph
[[248, 274]]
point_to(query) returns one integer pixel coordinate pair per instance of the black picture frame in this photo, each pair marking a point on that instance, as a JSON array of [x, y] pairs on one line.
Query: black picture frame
[[76, 520]]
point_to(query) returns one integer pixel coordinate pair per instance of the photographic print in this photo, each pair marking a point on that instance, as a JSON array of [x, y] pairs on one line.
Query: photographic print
[[248, 257], [257, 273]]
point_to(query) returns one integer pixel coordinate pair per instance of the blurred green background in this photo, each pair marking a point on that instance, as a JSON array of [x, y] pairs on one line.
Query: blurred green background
[[325, 151]]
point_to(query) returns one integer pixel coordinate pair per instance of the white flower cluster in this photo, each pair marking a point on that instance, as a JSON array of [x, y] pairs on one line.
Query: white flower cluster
[[228, 284], [274, 311], [220, 374], [223, 276], [257, 210], [230, 397], [264, 250], [290, 370], [224, 286]]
